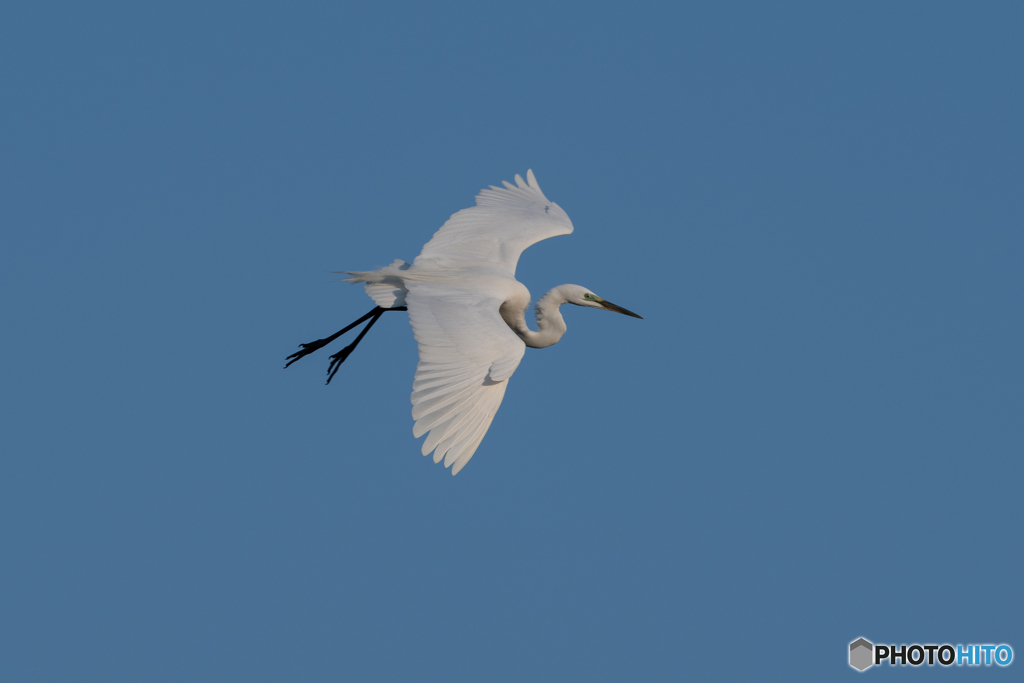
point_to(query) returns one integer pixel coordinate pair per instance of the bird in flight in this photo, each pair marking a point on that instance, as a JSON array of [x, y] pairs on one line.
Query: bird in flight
[[468, 313]]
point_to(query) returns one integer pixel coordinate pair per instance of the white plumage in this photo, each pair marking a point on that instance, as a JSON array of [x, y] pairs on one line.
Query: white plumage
[[468, 313], [492, 234]]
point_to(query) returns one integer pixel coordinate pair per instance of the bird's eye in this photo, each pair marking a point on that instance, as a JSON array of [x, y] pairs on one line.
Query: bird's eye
[[588, 296]]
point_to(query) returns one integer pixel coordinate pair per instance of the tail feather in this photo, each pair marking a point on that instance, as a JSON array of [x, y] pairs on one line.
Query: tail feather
[[384, 286]]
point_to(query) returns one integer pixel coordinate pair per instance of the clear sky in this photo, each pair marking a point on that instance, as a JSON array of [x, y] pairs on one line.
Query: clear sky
[[815, 434]]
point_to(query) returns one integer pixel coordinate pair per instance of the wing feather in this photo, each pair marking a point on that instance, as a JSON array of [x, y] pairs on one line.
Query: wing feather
[[494, 233], [461, 337], [467, 350]]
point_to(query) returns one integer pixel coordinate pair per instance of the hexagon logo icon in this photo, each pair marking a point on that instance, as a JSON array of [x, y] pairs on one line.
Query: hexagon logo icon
[[861, 654]]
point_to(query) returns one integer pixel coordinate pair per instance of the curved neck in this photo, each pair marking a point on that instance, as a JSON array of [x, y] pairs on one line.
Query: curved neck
[[550, 325]]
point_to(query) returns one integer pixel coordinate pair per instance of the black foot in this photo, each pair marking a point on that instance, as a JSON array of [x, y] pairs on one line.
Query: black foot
[[320, 343], [307, 349], [339, 358]]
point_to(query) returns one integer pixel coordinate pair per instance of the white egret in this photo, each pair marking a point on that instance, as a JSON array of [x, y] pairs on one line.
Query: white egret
[[468, 313]]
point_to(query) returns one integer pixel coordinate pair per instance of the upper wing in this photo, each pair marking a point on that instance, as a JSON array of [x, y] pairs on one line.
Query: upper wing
[[467, 354], [495, 232]]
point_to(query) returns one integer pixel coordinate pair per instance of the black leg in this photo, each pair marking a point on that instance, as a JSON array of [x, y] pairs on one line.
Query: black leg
[[320, 343], [339, 358]]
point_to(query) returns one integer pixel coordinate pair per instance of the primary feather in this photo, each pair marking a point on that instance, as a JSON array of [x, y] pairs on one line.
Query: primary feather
[[492, 234], [454, 291]]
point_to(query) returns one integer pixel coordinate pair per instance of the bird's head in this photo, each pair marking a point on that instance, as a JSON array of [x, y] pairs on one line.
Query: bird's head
[[581, 296]]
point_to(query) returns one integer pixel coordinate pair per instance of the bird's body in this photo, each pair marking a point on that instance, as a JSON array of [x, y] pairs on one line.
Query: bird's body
[[468, 313]]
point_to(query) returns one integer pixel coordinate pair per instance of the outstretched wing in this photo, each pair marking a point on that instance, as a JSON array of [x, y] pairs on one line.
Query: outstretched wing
[[504, 222], [467, 354]]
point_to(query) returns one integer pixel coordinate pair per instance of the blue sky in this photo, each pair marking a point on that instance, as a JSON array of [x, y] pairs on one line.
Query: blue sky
[[814, 435]]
